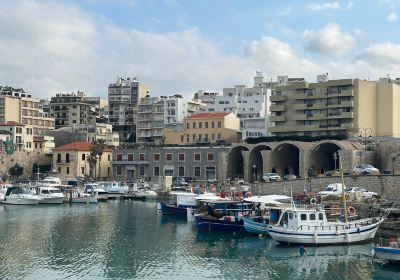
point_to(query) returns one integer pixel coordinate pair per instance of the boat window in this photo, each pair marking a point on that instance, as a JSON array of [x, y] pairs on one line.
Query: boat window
[[290, 216], [303, 217], [55, 191], [45, 191], [320, 216], [312, 217]]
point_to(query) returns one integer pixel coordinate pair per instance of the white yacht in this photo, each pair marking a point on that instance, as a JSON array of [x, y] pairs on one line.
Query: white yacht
[[77, 196], [21, 196], [3, 190], [91, 188], [50, 182], [115, 187], [50, 195]]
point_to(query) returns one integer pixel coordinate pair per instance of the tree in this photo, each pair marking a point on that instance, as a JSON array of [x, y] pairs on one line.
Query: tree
[[92, 160], [16, 170], [99, 147]]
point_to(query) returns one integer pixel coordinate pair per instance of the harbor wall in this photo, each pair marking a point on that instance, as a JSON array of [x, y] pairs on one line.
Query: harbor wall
[[385, 185]]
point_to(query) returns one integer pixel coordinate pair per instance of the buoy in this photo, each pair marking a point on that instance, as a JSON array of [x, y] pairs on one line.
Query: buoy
[[260, 235], [351, 210]]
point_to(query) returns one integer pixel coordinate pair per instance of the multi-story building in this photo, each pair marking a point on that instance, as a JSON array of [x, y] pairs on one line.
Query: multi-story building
[[251, 105], [123, 97], [70, 108], [335, 107], [150, 120], [99, 131], [18, 106], [43, 144], [71, 161], [200, 163], [99, 109], [205, 97], [177, 108], [21, 136], [205, 128]]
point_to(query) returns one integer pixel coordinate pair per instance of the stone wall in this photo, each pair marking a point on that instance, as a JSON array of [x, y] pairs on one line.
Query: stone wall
[[25, 159], [387, 185]]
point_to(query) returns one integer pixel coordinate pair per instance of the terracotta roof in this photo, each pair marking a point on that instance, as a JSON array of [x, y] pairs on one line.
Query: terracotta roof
[[79, 146], [208, 115], [10, 123]]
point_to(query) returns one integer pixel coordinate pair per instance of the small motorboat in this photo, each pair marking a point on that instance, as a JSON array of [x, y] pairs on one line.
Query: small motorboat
[[114, 187], [50, 195], [20, 196], [77, 196], [92, 188], [388, 250]]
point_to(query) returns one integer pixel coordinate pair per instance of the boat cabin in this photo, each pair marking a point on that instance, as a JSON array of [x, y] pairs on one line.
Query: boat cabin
[[295, 218]]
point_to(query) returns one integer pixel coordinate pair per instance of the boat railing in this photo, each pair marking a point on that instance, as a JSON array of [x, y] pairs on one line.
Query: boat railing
[[335, 227]]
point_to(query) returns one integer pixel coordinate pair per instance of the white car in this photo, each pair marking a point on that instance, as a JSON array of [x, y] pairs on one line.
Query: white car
[[332, 189], [365, 192], [271, 177], [365, 169]]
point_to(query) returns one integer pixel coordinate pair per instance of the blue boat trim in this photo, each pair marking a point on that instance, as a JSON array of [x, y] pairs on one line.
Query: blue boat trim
[[322, 234], [388, 250]]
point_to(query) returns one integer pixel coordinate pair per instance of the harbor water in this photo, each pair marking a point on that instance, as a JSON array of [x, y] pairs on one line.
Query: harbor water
[[131, 240]]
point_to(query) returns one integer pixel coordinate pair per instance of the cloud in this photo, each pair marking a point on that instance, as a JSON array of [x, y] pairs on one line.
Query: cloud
[[329, 6], [285, 11], [382, 54], [392, 17], [330, 40]]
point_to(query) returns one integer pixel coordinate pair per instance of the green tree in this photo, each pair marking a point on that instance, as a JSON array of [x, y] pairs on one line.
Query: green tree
[[92, 160], [99, 148], [16, 170]]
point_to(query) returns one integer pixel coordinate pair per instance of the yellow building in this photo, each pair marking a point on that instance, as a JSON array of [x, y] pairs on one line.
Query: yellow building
[[335, 107], [20, 135], [205, 128], [70, 161]]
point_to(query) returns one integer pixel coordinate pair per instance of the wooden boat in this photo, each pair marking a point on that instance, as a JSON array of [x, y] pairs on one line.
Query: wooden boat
[[388, 250]]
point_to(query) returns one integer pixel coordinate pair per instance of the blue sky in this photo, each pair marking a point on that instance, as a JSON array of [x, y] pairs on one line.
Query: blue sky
[[182, 46]]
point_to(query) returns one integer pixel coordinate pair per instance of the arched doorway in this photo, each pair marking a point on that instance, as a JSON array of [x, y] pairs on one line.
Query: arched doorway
[[256, 162], [285, 159], [235, 168], [324, 157]]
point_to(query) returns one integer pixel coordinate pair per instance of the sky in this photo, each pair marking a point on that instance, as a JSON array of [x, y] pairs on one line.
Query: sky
[[179, 47]]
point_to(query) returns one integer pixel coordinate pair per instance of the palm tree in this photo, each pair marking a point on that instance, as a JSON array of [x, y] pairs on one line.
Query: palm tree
[[98, 147], [92, 160]]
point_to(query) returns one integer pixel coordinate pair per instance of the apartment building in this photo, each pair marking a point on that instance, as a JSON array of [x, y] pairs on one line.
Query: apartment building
[[18, 106], [71, 161], [43, 144], [123, 97], [99, 109], [205, 97], [99, 131], [335, 107], [207, 127], [150, 120], [70, 108], [20, 135], [176, 108], [251, 105]]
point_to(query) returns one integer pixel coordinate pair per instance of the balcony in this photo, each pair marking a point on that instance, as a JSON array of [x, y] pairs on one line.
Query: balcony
[[277, 118], [301, 106], [293, 128], [300, 117], [343, 115], [277, 98], [347, 125], [301, 96], [277, 108]]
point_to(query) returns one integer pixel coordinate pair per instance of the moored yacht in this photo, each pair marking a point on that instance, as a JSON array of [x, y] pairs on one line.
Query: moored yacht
[[114, 187], [50, 182], [50, 195], [20, 196], [92, 188]]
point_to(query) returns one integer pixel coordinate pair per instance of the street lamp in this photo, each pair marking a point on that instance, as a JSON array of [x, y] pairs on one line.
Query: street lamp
[[335, 157], [362, 137], [254, 172]]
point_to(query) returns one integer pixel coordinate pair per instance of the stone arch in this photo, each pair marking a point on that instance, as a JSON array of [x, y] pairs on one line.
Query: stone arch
[[235, 165], [256, 162], [323, 156], [285, 157]]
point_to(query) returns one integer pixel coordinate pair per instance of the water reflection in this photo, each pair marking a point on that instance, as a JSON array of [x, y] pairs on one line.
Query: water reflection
[[131, 240]]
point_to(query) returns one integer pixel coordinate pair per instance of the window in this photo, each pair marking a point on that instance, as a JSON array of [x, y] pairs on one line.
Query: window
[[290, 216], [67, 158], [181, 157], [303, 217], [212, 125], [206, 137], [59, 169], [197, 156], [130, 157], [219, 125], [108, 171], [181, 138], [119, 157], [119, 170], [83, 170], [181, 171], [58, 158], [109, 157], [83, 156], [141, 157], [194, 137], [210, 156], [67, 170], [219, 136], [206, 124], [312, 217], [187, 126], [156, 171], [213, 136], [194, 125], [141, 170], [320, 216], [200, 136], [197, 171], [35, 145], [200, 125], [168, 157], [156, 157]]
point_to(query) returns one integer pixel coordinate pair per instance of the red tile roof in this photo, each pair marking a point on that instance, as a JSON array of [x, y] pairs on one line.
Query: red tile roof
[[79, 146], [208, 115], [10, 123]]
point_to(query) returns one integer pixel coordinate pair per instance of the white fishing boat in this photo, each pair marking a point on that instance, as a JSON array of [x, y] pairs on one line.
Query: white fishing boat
[[388, 250], [92, 188], [81, 197], [50, 195], [114, 187], [20, 196]]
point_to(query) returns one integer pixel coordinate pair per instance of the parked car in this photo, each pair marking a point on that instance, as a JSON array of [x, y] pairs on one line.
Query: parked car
[[332, 173], [289, 177], [365, 169], [239, 181], [332, 189], [179, 182], [271, 177], [366, 193]]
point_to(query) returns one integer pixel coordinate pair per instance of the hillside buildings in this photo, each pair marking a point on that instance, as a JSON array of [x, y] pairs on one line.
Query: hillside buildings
[[20, 136]]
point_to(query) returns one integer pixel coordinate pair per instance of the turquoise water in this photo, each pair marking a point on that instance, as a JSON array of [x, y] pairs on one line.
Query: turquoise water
[[130, 240]]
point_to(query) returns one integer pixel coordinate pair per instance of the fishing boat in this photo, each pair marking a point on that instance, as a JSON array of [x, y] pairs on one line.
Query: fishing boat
[[50, 181], [20, 196], [184, 200], [267, 210], [92, 188], [50, 195], [114, 187], [388, 250], [78, 196]]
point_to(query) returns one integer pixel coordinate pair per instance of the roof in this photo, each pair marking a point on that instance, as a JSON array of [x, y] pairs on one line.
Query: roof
[[38, 139], [208, 115], [79, 146], [10, 123]]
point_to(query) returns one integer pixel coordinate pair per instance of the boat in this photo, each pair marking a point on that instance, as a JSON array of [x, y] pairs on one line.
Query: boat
[[184, 200], [267, 210], [20, 196], [114, 187], [92, 188], [50, 181], [223, 215], [388, 250], [50, 195], [78, 196], [3, 190]]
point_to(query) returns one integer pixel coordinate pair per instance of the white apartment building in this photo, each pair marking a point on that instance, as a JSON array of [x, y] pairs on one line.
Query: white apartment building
[[99, 131], [150, 120], [251, 105], [21, 136], [205, 97], [177, 108]]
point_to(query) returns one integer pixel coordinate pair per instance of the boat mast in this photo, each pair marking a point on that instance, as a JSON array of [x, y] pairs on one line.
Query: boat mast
[[343, 192]]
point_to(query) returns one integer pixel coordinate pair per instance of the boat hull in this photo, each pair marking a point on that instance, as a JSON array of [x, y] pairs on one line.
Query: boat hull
[[346, 236], [387, 253], [20, 201], [173, 210], [255, 227], [89, 199], [52, 200], [206, 223]]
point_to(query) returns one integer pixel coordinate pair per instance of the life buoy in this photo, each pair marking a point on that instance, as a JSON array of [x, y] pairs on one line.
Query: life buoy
[[335, 209], [351, 210]]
